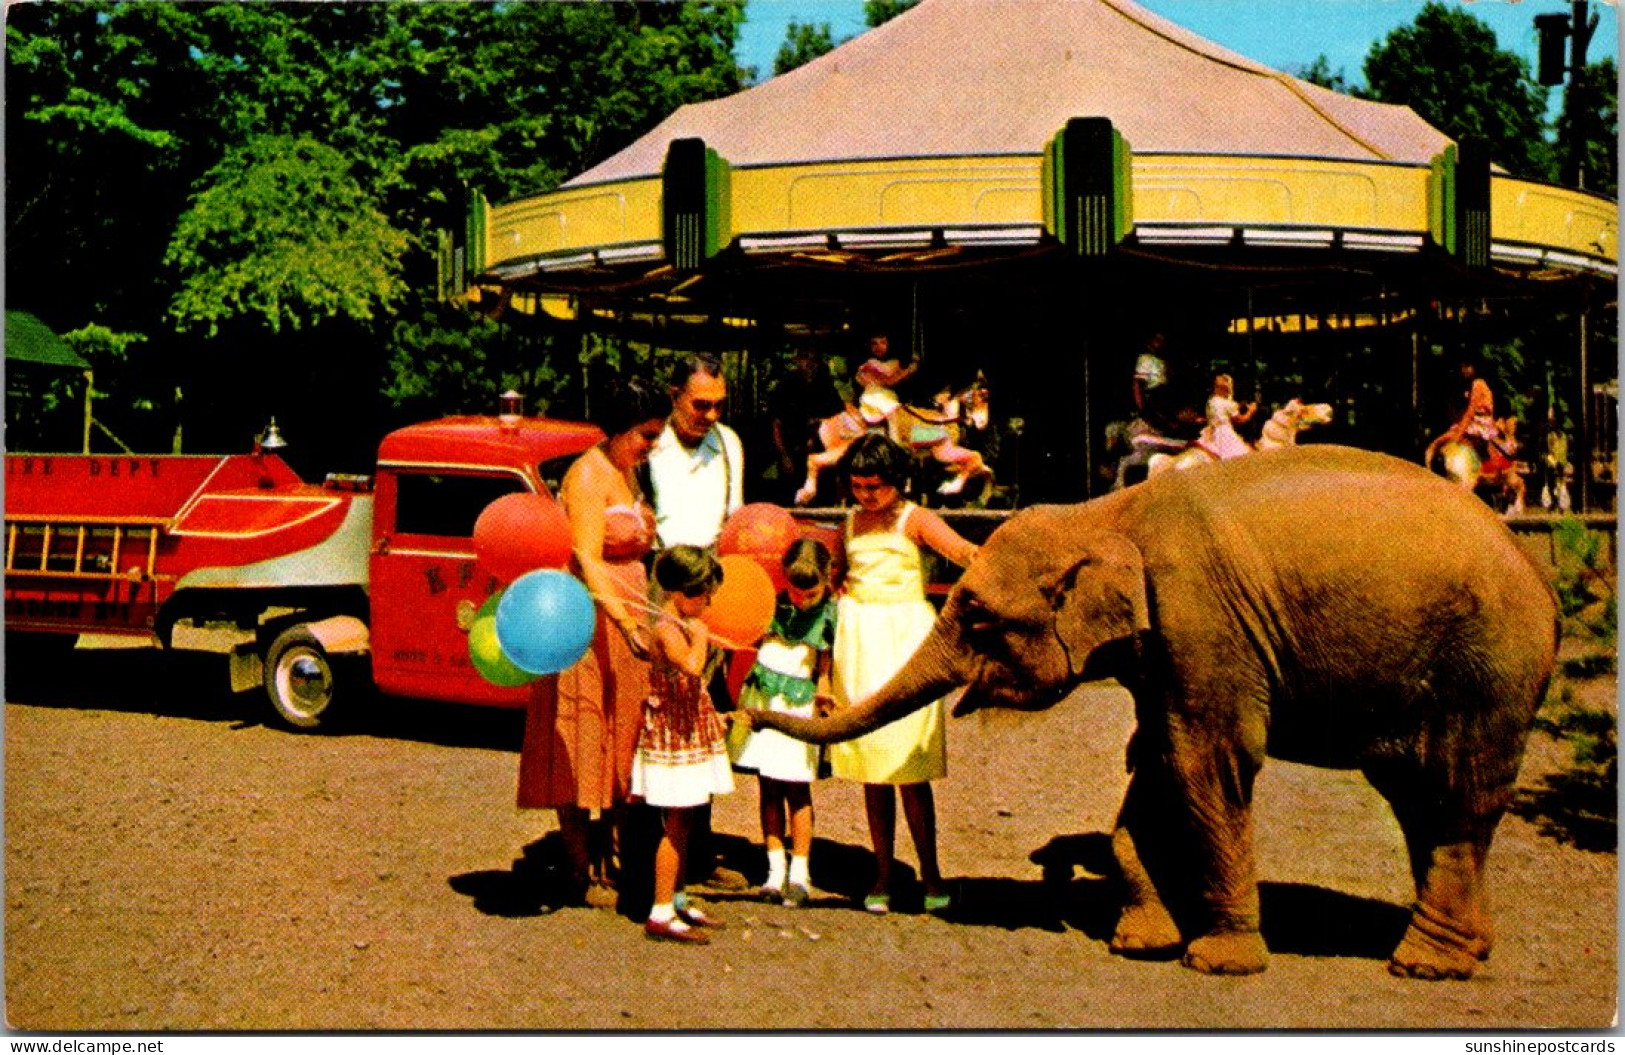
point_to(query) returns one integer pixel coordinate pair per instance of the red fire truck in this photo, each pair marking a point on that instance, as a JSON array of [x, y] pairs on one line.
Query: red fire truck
[[306, 587]]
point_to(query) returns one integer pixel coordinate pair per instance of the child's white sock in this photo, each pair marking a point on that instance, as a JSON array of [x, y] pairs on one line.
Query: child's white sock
[[775, 867], [799, 873], [663, 913]]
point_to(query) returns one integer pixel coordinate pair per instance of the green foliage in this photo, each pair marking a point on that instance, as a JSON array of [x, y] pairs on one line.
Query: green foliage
[[1584, 582], [1449, 68], [877, 12], [284, 234], [1320, 72], [802, 44], [1588, 130], [290, 162]]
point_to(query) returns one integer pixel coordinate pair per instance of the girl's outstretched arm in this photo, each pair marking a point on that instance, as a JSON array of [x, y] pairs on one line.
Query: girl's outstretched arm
[[926, 528]]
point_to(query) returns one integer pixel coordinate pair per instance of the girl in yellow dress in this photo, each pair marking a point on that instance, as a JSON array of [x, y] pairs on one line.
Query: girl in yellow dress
[[881, 619]]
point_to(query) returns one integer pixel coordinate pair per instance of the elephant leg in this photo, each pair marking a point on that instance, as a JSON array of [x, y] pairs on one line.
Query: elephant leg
[[1450, 929], [1216, 775], [1146, 928]]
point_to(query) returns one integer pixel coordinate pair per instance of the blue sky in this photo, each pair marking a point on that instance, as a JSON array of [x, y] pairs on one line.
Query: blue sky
[[1284, 34]]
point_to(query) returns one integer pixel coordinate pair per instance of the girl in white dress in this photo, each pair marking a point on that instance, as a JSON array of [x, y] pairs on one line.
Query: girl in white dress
[[1223, 415], [682, 757], [881, 619], [791, 676]]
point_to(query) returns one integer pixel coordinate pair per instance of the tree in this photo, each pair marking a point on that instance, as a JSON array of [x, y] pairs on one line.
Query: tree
[[1448, 67], [1320, 72], [1588, 129], [282, 233], [152, 132], [802, 44], [878, 12]]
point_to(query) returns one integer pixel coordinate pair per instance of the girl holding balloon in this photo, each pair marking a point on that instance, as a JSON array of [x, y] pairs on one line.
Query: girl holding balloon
[[581, 727], [881, 619], [682, 757]]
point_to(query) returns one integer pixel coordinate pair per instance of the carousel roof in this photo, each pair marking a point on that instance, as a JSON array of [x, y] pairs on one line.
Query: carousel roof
[[979, 77], [934, 140]]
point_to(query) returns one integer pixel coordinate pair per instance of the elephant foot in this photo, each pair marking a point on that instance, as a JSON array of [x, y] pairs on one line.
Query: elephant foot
[[1228, 952], [1435, 948], [1146, 932]]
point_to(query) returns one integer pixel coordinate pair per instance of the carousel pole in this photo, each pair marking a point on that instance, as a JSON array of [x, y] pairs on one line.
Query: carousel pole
[[1583, 419]]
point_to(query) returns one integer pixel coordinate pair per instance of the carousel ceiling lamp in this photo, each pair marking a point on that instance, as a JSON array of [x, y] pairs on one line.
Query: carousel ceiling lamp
[[1019, 235], [1154, 234], [1393, 243], [630, 253], [779, 243], [859, 239], [1280, 237]]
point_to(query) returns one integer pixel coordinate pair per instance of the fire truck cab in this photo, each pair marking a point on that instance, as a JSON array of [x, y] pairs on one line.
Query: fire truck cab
[[312, 590]]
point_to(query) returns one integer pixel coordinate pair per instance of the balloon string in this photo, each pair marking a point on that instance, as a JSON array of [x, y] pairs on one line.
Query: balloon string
[[657, 610]]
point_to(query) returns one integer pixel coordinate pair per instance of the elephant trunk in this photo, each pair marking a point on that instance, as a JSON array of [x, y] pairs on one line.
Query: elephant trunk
[[931, 673]]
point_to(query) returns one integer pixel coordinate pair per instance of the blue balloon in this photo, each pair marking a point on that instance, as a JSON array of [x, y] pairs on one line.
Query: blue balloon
[[545, 621]]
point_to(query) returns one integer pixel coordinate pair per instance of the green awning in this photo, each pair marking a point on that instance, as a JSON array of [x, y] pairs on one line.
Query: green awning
[[29, 340]]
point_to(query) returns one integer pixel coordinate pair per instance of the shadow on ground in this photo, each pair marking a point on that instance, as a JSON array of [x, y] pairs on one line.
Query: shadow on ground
[[1578, 807], [1297, 919], [41, 671]]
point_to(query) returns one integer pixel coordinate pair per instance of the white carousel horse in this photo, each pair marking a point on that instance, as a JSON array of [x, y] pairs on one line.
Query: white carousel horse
[[1281, 430], [935, 431]]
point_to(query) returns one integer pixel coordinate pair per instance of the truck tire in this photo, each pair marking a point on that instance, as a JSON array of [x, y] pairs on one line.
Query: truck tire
[[302, 681]]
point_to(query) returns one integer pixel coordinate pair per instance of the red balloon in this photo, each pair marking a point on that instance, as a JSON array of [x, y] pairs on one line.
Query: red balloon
[[522, 532], [764, 532], [742, 608]]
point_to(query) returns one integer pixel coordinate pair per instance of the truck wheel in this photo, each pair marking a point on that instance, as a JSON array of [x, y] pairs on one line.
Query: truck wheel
[[300, 679]]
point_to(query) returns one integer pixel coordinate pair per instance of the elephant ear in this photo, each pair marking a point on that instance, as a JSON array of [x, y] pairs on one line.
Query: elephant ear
[[1099, 598]]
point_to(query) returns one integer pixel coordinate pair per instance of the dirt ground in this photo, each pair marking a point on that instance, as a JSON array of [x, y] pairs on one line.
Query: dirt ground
[[173, 864]]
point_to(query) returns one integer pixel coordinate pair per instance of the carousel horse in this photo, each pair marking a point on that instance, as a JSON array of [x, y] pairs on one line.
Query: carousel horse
[[1555, 469], [1494, 473], [936, 432], [1281, 430]]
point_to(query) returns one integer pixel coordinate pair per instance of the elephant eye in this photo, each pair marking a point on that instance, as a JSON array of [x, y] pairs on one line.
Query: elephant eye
[[978, 620]]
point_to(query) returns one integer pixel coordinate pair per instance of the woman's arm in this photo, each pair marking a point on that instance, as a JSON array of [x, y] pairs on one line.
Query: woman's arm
[[586, 496], [926, 528]]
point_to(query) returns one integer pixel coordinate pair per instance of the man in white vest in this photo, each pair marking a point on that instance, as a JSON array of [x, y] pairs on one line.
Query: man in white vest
[[696, 481], [697, 466]]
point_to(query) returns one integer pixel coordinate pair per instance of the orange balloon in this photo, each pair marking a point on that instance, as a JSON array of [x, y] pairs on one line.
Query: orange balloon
[[520, 533], [742, 608]]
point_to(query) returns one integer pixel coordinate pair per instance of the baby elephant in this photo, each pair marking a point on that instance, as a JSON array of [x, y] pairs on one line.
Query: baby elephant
[[1319, 604]]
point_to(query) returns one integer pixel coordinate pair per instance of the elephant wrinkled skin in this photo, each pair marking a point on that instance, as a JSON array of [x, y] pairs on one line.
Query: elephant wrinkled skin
[[1321, 605]]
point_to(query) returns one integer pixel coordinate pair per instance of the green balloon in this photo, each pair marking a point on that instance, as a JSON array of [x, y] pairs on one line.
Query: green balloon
[[485, 652]]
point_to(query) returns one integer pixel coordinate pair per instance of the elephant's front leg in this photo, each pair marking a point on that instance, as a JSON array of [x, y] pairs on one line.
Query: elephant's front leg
[[1215, 769], [1146, 928]]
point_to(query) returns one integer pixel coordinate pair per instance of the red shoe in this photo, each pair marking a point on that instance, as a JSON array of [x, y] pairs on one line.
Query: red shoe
[[672, 930]]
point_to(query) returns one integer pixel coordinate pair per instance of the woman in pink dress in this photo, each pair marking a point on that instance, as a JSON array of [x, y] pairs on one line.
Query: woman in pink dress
[[581, 727]]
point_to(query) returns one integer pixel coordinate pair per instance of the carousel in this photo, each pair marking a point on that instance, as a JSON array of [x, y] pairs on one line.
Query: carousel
[[1023, 195]]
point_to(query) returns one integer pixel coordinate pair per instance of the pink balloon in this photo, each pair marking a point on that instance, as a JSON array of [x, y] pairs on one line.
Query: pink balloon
[[763, 532], [522, 532]]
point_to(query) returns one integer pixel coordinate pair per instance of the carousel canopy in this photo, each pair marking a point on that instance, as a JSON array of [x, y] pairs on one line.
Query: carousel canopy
[[973, 130], [979, 77]]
